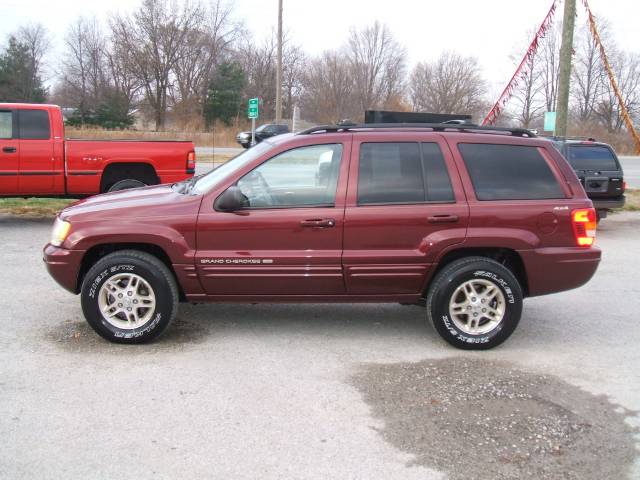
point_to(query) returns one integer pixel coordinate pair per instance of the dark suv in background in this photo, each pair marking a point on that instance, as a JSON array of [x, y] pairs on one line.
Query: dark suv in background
[[263, 131], [598, 169], [467, 221]]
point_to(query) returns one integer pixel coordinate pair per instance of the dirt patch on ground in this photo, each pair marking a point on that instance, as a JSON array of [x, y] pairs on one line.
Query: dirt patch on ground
[[485, 420]]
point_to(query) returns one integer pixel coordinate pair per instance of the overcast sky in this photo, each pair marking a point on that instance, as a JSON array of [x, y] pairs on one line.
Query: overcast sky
[[491, 30]]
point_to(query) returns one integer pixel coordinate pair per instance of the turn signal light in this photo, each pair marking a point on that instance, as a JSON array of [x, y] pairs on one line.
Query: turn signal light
[[584, 226], [191, 161]]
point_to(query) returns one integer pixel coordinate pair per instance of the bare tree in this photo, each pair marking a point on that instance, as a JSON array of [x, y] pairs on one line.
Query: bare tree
[[588, 74], [627, 72], [377, 63], [154, 37], [84, 75], [203, 49], [259, 66], [328, 89], [36, 38], [528, 99], [451, 84], [550, 57]]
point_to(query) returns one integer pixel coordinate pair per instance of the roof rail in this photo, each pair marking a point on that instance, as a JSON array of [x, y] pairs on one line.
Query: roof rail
[[436, 127], [556, 137]]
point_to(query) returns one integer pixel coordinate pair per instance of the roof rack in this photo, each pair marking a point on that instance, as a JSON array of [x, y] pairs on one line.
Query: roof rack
[[436, 127], [584, 139]]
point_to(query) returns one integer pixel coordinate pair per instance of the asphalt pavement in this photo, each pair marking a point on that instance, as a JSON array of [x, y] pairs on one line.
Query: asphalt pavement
[[320, 391]]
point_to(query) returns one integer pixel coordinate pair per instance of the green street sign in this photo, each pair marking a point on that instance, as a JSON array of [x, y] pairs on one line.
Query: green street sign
[[252, 111]]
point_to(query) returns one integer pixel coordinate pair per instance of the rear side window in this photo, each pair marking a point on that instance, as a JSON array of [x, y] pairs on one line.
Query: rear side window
[[594, 157], [6, 125], [34, 125], [407, 172], [509, 172]]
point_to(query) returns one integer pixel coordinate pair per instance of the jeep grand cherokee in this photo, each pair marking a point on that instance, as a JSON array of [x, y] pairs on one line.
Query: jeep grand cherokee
[[465, 220]]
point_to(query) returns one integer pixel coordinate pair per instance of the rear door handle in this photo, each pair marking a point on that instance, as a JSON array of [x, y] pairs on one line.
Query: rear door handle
[[319, 222], [443, 219], [9, 149]]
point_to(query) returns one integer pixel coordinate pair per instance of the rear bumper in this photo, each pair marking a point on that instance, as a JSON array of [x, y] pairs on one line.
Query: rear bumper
[[608, 203], [63, 265], [551, 270]]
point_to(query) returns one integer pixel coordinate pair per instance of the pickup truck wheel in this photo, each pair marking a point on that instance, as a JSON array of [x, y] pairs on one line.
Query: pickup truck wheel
[[475, 303], [125, 184], [129, 297]]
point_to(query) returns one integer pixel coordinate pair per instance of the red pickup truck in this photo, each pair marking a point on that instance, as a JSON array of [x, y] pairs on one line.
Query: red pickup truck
[[36, 160]]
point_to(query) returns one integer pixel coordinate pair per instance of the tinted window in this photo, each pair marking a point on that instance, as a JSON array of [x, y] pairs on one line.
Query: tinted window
[[34, 124], [402, 173], [437, 178], [305, 176], [509, 172], [591, 158], [390, 173], [6, 125]]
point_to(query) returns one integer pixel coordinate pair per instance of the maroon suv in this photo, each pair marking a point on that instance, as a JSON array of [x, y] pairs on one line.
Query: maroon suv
[[465, 220]]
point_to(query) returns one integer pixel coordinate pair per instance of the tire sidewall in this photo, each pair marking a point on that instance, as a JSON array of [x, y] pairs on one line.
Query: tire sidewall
[[94, 281], [439, 308], [126, 184]]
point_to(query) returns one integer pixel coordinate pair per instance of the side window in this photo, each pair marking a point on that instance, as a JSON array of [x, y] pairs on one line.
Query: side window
[[509, 172], [403, 173], [6, 125], [390, 173], [301, 177], [34, 125], [437, 179]]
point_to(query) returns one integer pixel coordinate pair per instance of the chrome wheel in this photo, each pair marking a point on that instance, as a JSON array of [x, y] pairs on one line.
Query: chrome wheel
[[126, 301], [477, 307]]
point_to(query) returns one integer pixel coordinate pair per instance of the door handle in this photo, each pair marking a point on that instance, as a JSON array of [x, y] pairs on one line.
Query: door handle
[[319, 222], [9, 149], [443, 219]]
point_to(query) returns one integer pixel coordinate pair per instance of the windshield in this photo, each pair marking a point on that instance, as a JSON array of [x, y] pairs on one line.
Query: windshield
[[206, 182], [261, 128], [594, 158]]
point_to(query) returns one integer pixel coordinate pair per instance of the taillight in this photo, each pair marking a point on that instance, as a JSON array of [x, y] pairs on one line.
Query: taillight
[[624, 186], [191, 161], [584, 226]]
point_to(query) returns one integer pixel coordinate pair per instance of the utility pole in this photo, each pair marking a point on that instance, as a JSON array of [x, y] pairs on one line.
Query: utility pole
[[279, 67], [566, 52]]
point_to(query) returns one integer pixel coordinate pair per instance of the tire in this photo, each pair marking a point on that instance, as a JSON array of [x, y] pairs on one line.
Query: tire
[[494, 319], [150, 281], [126, 184]]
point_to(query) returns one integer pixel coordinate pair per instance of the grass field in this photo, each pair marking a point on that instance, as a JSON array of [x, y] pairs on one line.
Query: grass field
[[33, 207], [633, 201]]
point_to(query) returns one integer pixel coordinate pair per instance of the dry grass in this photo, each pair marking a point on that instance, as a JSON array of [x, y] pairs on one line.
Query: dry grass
[[224, 136], [33, 207], [633, 200]]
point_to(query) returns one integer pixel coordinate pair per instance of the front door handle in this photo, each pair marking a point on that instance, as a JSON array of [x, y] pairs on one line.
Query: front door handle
[[9, 149], [443, 219], [319, 222]]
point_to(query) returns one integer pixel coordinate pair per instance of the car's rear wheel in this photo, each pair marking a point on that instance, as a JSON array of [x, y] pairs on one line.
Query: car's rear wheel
[[475, 303], [126, 184], [129, 297]]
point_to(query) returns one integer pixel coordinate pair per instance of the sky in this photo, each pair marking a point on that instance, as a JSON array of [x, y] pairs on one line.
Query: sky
[[494, 31]]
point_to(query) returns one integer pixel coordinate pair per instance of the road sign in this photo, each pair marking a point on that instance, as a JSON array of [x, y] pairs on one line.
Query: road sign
[[549, 121], [252, 111]]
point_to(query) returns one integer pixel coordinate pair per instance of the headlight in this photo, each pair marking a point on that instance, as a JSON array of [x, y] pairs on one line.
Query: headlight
[[60, 231]]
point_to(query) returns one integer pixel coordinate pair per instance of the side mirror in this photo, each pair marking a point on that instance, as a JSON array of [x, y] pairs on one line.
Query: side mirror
[[231, 200]]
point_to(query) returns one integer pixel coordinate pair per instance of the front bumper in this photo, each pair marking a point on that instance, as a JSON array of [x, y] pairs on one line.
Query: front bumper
[[63, 265], [555, 269], [608, 203]]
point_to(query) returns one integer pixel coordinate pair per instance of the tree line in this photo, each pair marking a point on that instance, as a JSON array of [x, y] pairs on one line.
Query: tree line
[[194, 64]]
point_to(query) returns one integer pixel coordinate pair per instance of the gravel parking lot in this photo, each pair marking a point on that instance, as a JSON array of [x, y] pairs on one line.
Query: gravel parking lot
[[320, 391]]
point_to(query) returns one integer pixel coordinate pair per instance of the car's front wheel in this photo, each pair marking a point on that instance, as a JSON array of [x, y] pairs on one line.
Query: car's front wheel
[[475, 303], [129, 297]]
